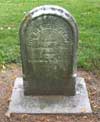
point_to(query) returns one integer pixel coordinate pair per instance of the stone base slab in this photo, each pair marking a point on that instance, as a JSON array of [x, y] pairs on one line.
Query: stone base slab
[[50, 104]]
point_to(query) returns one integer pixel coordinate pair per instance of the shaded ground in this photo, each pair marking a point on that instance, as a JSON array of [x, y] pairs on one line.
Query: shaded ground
[[8, 75]]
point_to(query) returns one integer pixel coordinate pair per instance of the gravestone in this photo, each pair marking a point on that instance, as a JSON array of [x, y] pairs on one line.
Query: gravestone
[[48, 37], [50, 85]]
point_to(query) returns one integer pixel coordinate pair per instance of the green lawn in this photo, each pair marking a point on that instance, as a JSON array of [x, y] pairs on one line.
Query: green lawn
[[86, 12]]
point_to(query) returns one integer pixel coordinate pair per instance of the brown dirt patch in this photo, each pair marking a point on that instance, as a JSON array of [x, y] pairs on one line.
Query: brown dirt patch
[[10, 72]]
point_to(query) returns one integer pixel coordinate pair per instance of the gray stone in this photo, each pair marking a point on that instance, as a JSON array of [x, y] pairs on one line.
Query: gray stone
[[49, 37], [50, 104]]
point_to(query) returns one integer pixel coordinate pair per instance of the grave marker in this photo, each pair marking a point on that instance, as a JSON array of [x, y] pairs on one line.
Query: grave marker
[[49, 37]]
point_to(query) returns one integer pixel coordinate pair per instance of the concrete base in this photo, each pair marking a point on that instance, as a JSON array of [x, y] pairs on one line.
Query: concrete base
[[50, 104]]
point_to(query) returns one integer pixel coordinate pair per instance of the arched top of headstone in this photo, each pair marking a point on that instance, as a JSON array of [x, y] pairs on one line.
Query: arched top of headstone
[[52, 10]]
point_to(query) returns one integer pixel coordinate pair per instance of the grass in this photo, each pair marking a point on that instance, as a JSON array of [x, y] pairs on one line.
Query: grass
[[86, 12]]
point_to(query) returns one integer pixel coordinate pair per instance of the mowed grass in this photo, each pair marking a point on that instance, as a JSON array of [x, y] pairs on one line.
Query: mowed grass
[[86, 12]]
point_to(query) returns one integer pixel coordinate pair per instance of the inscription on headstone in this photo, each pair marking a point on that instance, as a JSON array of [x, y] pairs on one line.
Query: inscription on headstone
[[48, 37]]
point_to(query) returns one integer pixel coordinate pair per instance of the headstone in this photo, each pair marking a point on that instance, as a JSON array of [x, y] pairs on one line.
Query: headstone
[[48, 37]]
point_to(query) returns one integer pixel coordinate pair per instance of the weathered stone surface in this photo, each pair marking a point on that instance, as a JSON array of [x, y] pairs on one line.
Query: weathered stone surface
[[50, 104], [48, 37]]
